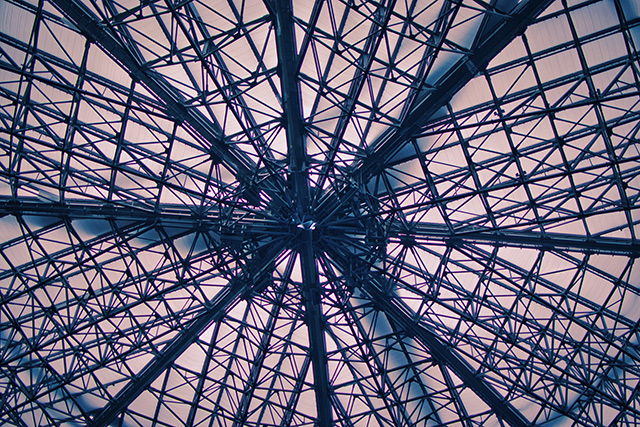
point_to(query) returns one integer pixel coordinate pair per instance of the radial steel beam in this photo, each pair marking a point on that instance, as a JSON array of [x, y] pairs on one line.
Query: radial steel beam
[[439, 350], [315, 324], [555, 242], [88, 209], [298, 169], [264, 349], [182, 216], [169, 354], [379, 20], [288, 64], [431, 100], [423, 233], [95, 31], [213, 312]]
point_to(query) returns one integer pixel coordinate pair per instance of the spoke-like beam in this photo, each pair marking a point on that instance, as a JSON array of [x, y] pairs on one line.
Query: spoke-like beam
[[298, 169], [288, 64], [182, 216], [440, 351], [311, 292], [379, 362], [92, 28], [380, 19], [432, 99], [252, 382], [90, 209], [213, 312], [423, 233], [169, 354]]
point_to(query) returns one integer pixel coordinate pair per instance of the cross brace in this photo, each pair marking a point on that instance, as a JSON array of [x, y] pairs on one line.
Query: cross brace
[[167, 356], [213, 312], [96, 32], [433, 99], [443, 353]]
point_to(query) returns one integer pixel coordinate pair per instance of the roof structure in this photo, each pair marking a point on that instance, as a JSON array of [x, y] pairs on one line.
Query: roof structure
[[319, 213]]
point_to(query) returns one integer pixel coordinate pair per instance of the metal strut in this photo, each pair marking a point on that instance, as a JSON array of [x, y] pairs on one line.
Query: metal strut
[[208, 132], [444, 354], [298, 169], [210, 314]]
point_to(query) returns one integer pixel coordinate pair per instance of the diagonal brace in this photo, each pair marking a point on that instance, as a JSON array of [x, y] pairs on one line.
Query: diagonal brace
[[210, 314], [96, 32], [427, 104], [441, 352]]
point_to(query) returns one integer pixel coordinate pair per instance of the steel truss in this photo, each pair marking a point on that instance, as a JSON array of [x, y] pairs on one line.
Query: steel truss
[[319, 212]]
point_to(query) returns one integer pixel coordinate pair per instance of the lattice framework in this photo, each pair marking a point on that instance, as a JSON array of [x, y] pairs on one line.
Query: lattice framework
[[328, 212]]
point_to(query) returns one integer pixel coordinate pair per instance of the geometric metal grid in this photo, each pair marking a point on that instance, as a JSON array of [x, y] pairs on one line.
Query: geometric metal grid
[[325, 212]]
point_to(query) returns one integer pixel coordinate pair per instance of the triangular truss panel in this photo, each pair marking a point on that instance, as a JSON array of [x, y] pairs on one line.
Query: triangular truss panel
[[319, 213]]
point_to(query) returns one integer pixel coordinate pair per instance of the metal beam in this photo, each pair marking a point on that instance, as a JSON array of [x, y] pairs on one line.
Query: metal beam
[[379, 21], [379, 361], [87, 209], [443, 353], [298, 169], [425, 232], [168, 355], [91, 27], [314, 319], [291, 98], [182, 216], [210, 314], [264, 350], [431, 100]]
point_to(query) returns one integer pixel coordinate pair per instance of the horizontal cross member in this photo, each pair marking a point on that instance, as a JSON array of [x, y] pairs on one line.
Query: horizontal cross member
[[522, 239], [182, 216]]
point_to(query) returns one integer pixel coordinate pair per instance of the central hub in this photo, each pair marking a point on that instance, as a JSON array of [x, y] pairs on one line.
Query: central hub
[[350, 219], [347, 219], [303, 222]]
